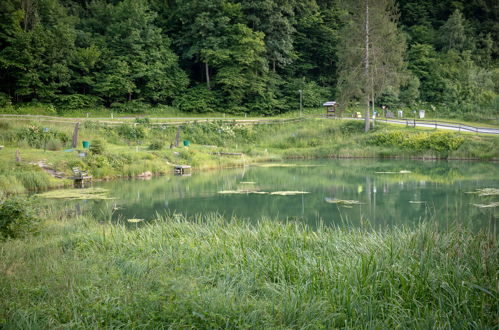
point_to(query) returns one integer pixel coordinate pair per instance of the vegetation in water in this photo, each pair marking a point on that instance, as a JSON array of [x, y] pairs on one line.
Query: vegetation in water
[[85, 194]]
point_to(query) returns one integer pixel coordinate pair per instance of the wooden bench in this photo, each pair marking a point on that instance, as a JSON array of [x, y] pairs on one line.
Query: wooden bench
[[79, 177]]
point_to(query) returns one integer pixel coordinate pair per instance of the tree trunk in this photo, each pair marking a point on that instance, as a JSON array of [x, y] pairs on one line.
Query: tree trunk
[[366, 70], [273, 65], [207, 70]]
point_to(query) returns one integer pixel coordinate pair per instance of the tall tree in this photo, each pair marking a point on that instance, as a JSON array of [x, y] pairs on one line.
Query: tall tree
[[371, 52], [276, 19]]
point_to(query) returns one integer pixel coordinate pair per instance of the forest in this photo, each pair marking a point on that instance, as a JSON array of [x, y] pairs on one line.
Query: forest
[[247, 56]]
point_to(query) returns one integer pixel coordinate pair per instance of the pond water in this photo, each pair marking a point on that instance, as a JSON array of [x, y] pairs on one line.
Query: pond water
[[387, 193]]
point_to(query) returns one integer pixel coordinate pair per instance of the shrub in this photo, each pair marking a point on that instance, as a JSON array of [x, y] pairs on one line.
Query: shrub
[[36, 137], [441, 142], [143, 121], [131, 133], [352, 127], [54, 145], [97, 147], [17, 218], [156, 145]]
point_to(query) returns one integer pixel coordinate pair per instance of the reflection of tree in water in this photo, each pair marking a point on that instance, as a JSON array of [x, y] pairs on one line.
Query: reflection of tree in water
[[386, 197]]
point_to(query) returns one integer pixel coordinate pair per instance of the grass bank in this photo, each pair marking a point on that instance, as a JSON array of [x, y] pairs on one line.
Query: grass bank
[[133, 149], [213, 272]]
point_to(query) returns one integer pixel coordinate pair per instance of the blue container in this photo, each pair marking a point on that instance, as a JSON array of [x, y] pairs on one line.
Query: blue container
[[86, 144], [186, 143]]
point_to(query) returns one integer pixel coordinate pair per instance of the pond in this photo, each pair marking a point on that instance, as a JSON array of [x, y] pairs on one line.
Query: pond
[[334, 192]]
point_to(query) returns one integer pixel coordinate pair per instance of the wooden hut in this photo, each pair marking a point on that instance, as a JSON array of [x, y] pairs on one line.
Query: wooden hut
[[330, 108]]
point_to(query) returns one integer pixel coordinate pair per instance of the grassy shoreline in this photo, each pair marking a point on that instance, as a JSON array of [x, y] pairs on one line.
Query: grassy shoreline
[[217, 273], [133, 149]]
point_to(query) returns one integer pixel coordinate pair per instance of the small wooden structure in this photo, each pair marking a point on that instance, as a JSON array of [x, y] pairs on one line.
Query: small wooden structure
[[79, 177], [330, 108], [182, 170]]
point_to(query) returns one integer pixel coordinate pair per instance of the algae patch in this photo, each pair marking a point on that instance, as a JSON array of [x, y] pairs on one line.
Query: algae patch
[[344, 202], [289, 193], [485, 192], [76, 194], [491, 205], [229, 192]]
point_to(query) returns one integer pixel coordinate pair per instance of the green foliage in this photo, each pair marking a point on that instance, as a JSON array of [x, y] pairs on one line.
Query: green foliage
[[157, 145], [441, 142], [352, 127], [54, 145], [36, 137], [276, 274], [131, 132], [197, 100], [97, 147], [234, 56], [17, 218]]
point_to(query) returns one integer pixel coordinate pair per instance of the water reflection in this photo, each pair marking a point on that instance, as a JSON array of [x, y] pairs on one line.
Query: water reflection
[[388, 193]]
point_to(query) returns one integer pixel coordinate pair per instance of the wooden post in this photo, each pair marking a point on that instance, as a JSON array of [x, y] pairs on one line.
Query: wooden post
[[177, 138], [75, 135], [18, 155]]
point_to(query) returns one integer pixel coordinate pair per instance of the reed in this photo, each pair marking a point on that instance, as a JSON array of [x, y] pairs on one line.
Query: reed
[[214, 272]]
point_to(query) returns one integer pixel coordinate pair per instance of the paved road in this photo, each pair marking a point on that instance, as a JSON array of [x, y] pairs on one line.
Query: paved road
[[441, 125]]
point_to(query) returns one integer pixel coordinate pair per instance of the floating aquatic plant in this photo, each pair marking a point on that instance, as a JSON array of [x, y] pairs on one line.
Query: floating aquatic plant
[[482, 206], [135, 220], [228, 192], [289, 193], [485, 192], [76, 194], [342, 201]]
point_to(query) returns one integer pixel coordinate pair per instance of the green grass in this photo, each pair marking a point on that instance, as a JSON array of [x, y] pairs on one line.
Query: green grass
[[224, 273], [126, 157]]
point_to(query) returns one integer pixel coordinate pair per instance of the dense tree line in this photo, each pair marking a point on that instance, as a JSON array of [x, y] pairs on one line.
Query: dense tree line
[[243, 55]]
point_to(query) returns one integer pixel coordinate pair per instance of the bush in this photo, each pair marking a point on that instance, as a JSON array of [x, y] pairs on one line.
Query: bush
[[54, 145], [156, 145], [97, 147], [35, 136], [352, 127], [441, 142], [17, 218], [131, 133]]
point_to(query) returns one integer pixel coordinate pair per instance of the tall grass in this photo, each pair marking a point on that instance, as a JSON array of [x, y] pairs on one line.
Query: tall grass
[[225, 273]]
